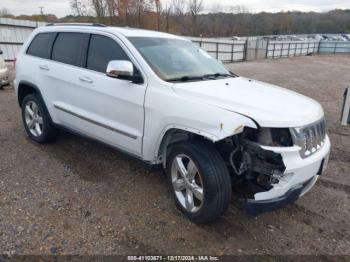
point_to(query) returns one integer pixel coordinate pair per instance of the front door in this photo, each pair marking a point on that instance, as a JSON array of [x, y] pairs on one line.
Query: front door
[[86, 100]]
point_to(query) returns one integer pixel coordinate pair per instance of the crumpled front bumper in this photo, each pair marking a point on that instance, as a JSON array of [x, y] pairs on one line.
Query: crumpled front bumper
[[255, 207], [299, 177]]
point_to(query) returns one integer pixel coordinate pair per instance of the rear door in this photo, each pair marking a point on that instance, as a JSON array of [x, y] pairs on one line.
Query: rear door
[[87, 100], [36, 63], [61, 83]]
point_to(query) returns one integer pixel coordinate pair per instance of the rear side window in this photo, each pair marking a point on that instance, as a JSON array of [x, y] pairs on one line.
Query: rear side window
[[41, 45], [70, 48], [102, 50]]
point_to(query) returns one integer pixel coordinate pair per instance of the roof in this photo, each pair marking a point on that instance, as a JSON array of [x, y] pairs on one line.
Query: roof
[[126, 31], [135, 32]]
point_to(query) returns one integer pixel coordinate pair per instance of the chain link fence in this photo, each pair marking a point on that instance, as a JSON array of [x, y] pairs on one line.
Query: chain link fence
[[277, 49], [223, 50]]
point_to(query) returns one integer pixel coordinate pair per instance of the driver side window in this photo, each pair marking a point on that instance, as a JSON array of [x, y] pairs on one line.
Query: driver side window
[[102, 50]]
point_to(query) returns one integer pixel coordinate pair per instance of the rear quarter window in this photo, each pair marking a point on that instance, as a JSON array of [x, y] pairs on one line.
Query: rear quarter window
[[70, 48], [41, 45]]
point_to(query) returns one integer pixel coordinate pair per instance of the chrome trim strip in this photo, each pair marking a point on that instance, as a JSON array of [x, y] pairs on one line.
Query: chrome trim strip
[[95, 122]]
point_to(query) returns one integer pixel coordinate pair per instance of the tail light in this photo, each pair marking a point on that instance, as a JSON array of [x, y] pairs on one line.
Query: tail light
[[14, 63]]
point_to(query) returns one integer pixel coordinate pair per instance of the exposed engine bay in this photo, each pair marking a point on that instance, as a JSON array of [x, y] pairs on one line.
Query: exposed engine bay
[[252, 168]]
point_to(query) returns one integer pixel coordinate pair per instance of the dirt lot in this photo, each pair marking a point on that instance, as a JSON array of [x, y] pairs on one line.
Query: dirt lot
[[76, 197]]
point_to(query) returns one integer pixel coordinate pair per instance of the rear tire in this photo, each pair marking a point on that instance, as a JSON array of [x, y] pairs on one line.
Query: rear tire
[[207, 177], [37, 121]]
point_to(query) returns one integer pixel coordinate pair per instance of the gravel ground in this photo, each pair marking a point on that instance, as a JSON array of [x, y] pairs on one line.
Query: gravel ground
[[77, 197]]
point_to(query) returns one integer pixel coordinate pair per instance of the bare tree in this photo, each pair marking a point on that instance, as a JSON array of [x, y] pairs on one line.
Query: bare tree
[[124, 10], [78, 7], [136, 9], [195, 7], [140, 10], [238, 9], [213, 25], [167, 11], [179, 7], [99, 7], [4, 11], [113, 10], [159, 12], [112, 7]]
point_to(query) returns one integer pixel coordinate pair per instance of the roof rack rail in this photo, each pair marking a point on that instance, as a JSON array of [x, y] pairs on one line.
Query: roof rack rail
[[77, 24]]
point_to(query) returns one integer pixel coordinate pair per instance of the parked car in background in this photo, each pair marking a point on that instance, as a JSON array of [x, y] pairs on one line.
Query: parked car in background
[[346, 36], [334, 38], [317, 37], [4, 72], [163, 100]]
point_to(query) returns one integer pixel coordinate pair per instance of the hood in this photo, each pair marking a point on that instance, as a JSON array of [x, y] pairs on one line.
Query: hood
[[268, 105]]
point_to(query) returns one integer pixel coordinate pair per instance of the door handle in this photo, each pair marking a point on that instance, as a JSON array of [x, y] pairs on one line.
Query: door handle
[[86, 79], [44, 67]]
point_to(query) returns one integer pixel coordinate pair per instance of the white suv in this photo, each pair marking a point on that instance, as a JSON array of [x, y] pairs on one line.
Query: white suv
[[165, 101]]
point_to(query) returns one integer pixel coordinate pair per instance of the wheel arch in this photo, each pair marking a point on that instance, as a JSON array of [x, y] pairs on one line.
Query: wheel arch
[[171, 136], [26, 88], [175, 134]]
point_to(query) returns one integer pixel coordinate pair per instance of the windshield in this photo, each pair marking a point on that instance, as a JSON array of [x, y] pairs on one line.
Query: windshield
[[178, 60]]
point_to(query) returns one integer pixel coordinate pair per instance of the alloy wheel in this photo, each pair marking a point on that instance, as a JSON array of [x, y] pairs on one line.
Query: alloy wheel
[[187, 183], [33, 119]]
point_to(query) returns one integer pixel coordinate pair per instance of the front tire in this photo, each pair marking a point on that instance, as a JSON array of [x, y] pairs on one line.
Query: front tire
[[37, 121], [199, 180]]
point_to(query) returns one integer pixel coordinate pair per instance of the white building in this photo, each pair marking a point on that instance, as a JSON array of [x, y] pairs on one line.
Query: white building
[[13, 33]]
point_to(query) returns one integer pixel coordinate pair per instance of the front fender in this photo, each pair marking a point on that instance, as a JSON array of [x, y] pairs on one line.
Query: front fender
[[216, 132], [165, 111]]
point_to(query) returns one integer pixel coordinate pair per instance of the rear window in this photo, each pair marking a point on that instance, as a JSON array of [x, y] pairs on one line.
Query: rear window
[[102, 50], [70, 48], [41, 45]]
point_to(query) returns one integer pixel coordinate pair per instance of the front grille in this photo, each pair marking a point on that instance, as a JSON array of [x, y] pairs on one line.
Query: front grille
[[310, 138]]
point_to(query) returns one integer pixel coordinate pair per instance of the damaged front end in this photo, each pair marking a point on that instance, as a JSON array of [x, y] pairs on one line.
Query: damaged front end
[[253, 168], [256, 165]]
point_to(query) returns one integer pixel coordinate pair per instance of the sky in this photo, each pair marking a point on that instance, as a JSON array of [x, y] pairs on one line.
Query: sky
[[62, 8]]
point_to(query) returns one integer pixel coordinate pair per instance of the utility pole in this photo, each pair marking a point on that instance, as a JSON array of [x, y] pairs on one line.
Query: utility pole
[[41, 10]]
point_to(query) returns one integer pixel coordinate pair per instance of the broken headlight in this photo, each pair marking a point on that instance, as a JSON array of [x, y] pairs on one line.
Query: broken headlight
[[277, 137]]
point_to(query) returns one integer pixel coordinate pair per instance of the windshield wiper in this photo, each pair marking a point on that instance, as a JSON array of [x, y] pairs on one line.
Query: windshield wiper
[[217, 75], [193, 78], [185, 79]]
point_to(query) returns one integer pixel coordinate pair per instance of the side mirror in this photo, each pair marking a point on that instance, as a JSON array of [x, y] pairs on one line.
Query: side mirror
[[123, 69], [120, 69], [1, 52]]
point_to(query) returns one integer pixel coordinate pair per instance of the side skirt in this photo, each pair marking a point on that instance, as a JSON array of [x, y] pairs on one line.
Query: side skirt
[[147, 165]]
